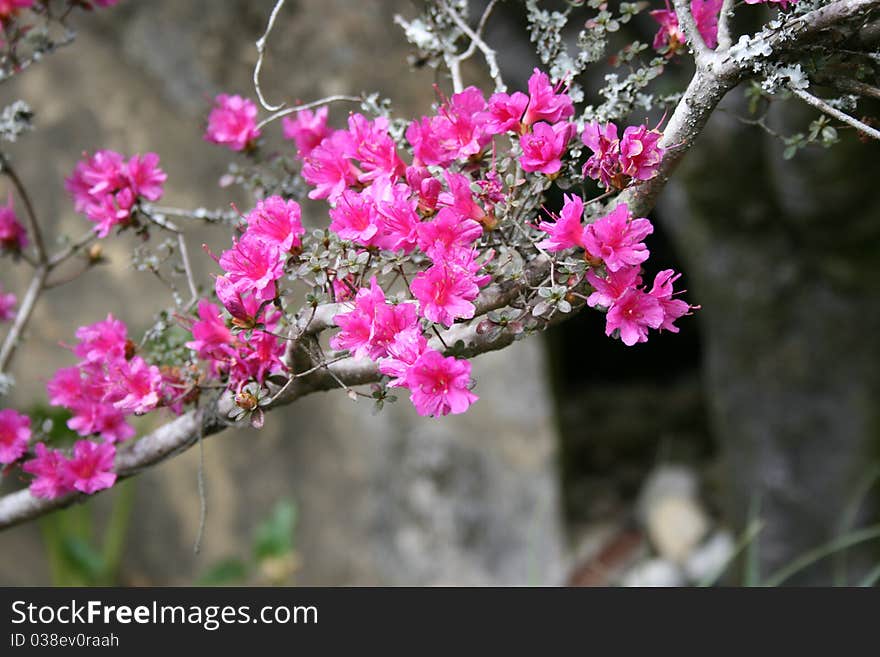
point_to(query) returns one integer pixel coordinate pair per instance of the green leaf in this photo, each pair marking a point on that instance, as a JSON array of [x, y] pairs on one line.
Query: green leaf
[[224, 572], [274, 538]]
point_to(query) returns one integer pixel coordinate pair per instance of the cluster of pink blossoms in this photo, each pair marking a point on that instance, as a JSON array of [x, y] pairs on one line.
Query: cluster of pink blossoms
[[13, 237], [109, 383], [614, 242], [87, 470], [618, 160], [233, 123], [251, 268], [106, 187]]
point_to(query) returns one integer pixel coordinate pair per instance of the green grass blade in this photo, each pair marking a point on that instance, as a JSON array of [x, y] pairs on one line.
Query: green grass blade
[[748, 535], [809, 558]]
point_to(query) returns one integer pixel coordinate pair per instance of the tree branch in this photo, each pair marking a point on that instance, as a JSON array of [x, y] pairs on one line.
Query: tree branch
[[689, 25], [476, 40], [688, 120], [7, 169], [797, 30], [824, 107], [725, 18]]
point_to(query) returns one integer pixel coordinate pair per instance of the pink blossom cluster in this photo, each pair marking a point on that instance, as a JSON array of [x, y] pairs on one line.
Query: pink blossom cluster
[[7, 305], [106, 188], [306, 129], [618, 160], [109, 383], [233, 123], [88, 469], [251, 268], [613, 245], [390, 334], [670, 38], [539, 117], [13, 236]]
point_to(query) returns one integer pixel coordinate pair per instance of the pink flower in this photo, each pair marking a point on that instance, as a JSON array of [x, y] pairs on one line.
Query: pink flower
[[91, 468], [447, 232], [633, 314], [445, 292], [243, 308], [232, 123], [505, 112], [705, 14], [7, 306], [568, 231], [611, 288], [403, 352], [259, 355], [93, 415], [279, 221], [545, 101], [15, 432], [439, 385], [398, 220], [368, 329], [355, 217], [374, 148], [603, 164], [460, 197], [106, 188], [135, 386], [13, 236], [427, 187], [307, 129], [616, 239], [456, 133], [212, 339], [543, 147], [671, 38], [145, 176], [253, 265], [102, 342], [640, 155], [51, 479], [328, 167], [663, 292], [65, 388]]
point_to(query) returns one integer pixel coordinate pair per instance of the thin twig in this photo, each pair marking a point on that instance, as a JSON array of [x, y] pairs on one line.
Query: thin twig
[[299, 108], [190, 279], [725, 18], [71, 249], [824, 107], [23, 316], [261, 49], [7, 169], [689, 25], [476, 40]]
